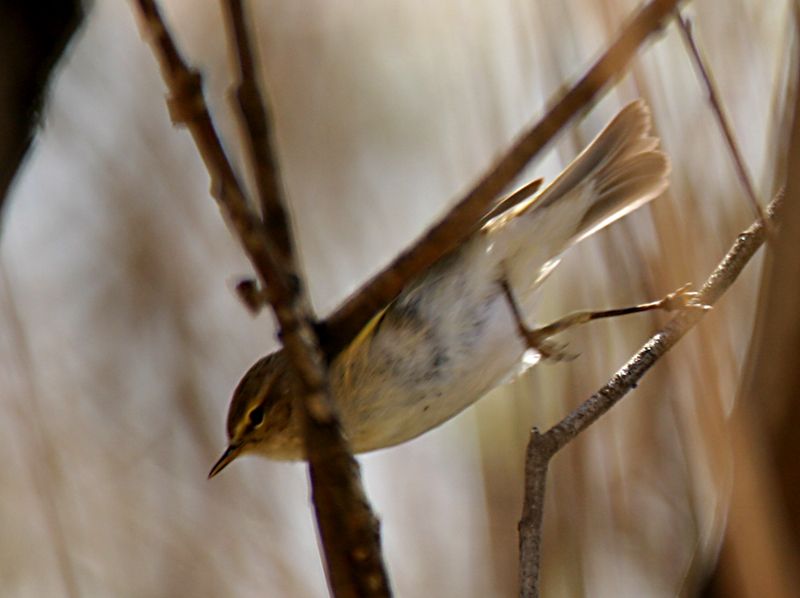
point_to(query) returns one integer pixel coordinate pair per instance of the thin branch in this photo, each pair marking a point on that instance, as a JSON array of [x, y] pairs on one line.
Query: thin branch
[[685, 26], [349, 530], [258, 133], [188, 107], [627, 378], [345, 323]]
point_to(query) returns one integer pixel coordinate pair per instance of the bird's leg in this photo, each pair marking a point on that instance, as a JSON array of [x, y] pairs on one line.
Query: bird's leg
[[537, 338]]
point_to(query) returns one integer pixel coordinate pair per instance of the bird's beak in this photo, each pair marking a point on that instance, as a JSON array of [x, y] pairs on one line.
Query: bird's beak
[[229, 455]]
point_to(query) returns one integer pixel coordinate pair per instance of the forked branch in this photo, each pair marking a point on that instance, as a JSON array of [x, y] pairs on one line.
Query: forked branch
[[348, 528]]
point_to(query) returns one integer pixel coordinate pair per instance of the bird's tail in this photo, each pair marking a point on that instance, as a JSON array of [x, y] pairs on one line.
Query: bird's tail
[[619, 171]]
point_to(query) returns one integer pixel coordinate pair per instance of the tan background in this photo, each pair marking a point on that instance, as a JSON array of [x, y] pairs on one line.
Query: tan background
[[121, 339]]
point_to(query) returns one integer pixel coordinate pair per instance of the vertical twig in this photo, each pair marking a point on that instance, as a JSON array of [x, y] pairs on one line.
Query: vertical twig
[[537, 460], [257, 130], [187, 106]]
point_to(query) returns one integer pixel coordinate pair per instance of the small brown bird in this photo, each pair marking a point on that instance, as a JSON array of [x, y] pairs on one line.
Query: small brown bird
[[451, 335]]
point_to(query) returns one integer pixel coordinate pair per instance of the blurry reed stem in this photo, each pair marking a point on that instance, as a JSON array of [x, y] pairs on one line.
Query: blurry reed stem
[[38, 449]]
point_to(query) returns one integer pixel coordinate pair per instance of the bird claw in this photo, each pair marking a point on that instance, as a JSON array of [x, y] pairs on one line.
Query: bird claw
[[683, 299]]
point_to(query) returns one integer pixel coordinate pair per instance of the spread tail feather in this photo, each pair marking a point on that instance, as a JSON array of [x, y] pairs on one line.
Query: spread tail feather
[[619, 171]]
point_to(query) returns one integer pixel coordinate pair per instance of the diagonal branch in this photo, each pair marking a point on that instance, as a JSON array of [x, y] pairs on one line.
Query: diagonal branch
[[348, 528], [543, 446], [447, 234], [685, 26]]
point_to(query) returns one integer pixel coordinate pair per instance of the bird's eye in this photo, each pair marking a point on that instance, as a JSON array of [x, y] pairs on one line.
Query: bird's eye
[[256, 416]]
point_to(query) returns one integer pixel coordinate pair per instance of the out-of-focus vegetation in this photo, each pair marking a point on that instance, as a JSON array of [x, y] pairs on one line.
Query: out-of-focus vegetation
[[121, 338]]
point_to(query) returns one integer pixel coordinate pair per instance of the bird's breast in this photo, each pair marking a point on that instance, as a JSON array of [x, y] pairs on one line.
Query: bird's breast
[[443, 344]]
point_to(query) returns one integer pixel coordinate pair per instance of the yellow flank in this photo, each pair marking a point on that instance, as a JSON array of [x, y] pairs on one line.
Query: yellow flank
[[353, 348]]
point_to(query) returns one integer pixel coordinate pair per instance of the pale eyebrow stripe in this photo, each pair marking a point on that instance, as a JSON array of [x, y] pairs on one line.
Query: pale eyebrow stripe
[[262, 393]]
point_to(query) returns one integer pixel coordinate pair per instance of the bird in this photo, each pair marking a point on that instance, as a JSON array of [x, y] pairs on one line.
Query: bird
[[452, 334]]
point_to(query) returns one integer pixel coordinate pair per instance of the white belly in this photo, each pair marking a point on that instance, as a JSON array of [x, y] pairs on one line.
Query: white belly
[[439, 348]]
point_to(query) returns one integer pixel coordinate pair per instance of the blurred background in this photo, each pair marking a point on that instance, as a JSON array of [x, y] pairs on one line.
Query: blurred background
[[121, 338]]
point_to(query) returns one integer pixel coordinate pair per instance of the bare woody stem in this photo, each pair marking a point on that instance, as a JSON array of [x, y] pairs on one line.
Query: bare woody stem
[[543, 446], [187, 107], [348, 529], [257, 132]]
